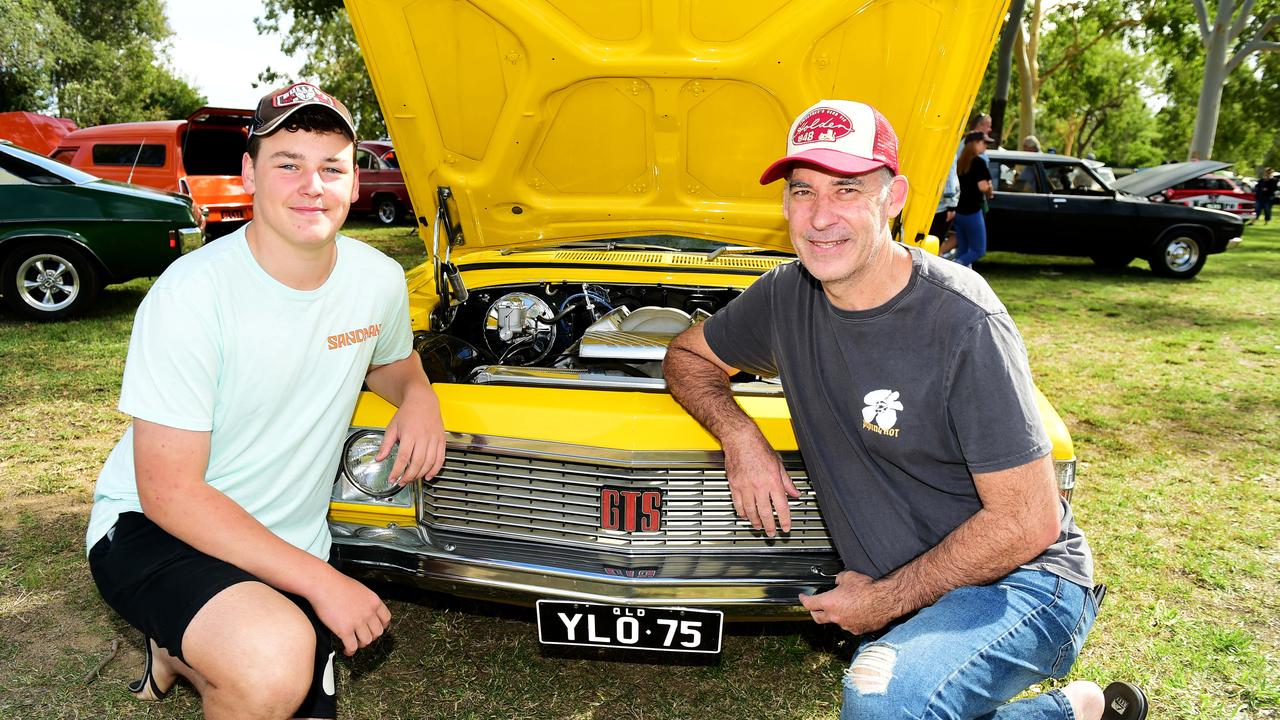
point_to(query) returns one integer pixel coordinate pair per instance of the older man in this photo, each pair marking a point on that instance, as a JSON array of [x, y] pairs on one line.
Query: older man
[[913, 405]]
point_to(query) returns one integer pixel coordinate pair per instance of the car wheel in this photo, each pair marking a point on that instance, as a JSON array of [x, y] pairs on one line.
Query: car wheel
[[1112, 261], [1178, 254], [387, 210], [48, 280]]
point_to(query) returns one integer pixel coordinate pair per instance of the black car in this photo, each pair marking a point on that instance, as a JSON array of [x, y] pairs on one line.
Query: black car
[[1057, 205]]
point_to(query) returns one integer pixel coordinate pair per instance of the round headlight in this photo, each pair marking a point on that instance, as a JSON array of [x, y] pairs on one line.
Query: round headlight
[[373, 477]]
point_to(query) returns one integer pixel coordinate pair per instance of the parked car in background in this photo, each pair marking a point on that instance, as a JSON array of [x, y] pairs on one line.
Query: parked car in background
[[36, 132], [592, 183], [1058, 205], [382, 190], [1216, 190], [64, 234], [198, 157]]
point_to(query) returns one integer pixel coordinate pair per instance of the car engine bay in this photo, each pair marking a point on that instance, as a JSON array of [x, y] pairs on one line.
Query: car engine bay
[[569, 334]]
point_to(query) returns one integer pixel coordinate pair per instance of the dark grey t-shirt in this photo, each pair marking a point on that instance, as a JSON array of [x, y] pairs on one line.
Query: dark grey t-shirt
[[896, 407]]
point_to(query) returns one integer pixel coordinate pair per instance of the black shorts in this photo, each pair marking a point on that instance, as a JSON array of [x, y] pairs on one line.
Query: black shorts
[[158, 583]]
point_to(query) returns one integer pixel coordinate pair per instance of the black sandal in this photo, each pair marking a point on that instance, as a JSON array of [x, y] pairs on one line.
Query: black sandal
[[1123, 701], [145, 687]]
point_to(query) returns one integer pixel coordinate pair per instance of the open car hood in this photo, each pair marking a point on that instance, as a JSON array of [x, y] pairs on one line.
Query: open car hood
[[558, 120], [36, 132], [221, 116], [1162, 177]]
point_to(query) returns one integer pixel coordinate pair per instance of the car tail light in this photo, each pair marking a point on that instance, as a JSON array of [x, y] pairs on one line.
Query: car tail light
[[173, 239]]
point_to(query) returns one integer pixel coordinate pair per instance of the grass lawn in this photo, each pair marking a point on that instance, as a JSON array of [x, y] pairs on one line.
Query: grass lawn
[[1171, 390]]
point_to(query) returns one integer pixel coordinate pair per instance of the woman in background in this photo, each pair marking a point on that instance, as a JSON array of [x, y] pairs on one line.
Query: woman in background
[[975, 188]]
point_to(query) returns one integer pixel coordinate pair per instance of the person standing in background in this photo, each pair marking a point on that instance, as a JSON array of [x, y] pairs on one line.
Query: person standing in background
[[975, 188], [1264, 196]]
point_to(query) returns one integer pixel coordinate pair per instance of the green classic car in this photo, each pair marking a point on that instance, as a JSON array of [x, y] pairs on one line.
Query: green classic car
[[64, 234]]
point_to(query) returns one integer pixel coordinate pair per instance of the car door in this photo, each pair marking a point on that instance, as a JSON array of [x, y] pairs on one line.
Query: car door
[[368, 166], [1085, 219], [1019, 208]]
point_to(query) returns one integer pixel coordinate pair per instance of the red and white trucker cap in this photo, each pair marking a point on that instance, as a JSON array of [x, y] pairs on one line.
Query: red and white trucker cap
[[842, 136]]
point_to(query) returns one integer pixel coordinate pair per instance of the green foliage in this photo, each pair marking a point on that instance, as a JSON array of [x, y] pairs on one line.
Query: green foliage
[[1246, 124], [1122, 80], [1093, 85], [1093, 104], [33, 40], [94, 61], [322, 31]]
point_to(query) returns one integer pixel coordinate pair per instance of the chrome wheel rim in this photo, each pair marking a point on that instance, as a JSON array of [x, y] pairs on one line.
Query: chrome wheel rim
[[1181, 254], [48, 282], [387, 212]]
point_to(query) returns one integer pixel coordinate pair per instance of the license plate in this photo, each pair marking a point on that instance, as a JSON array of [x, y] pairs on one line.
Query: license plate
[[647, 628], [1215, 206]]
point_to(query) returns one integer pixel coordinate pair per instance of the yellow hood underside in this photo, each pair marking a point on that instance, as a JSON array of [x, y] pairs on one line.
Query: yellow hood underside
[[555, 120]]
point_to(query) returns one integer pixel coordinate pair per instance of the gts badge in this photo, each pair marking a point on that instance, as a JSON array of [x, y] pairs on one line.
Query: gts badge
[[630, 511]]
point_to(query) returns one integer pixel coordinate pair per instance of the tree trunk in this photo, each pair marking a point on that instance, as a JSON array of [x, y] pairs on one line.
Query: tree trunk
[[1025, 48], [1215, 74], [1003, 71], [1027, 99]]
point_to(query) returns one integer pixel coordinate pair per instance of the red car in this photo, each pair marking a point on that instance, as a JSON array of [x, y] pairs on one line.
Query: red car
[[382, 190], [34, 131], [1216, 190]]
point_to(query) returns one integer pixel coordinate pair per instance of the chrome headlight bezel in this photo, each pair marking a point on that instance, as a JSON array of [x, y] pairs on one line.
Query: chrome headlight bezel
[[1065, 472], [358, 469]]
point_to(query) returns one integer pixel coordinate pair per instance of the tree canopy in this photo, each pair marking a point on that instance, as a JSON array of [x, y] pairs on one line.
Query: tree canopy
[[322, 31], [1123, 80], [94, 61]]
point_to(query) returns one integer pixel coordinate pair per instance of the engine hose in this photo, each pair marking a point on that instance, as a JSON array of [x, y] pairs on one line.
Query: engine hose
[[564, 310]]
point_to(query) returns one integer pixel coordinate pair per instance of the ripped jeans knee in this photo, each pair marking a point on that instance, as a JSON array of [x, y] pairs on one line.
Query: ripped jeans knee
[[869, 692], [872, 669]]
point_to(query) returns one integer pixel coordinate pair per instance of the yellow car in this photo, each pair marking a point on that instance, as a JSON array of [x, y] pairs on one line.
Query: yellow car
[[589, 175]]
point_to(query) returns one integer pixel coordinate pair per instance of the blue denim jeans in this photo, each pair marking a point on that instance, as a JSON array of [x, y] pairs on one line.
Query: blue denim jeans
[[964, 656], [1262, 206], [971, 237]]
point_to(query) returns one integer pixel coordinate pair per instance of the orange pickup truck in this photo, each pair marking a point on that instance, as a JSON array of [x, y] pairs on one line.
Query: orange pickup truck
[[198, 157]]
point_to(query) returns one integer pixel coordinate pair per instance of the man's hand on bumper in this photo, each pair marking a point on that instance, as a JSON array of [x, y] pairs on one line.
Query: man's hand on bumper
[[857, 604]]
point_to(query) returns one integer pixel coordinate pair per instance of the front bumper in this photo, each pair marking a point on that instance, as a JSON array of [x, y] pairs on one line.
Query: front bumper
[[404, 556]]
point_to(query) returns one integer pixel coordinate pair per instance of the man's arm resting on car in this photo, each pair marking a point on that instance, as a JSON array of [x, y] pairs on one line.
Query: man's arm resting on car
[[416, 426], [1020, 517], [699, 381], [170, 465]]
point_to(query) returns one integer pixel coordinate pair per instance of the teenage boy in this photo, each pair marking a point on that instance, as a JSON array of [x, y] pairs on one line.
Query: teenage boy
[[208, 529]]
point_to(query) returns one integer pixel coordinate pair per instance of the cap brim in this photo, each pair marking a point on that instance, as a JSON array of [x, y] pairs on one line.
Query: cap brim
[[271, 127], [832, 160]]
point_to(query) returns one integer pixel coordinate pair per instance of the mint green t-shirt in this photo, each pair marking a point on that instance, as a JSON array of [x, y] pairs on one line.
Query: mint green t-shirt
[[271, 372]]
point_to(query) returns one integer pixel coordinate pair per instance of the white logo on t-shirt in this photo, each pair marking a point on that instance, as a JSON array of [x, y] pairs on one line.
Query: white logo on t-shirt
[[882, 409]]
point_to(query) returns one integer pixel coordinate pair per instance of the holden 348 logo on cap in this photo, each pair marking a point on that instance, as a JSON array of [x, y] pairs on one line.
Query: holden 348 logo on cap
[[821, 124], [301, 93]]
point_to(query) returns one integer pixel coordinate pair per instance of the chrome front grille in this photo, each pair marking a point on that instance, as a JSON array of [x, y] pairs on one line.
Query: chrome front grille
[[552, 494]]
